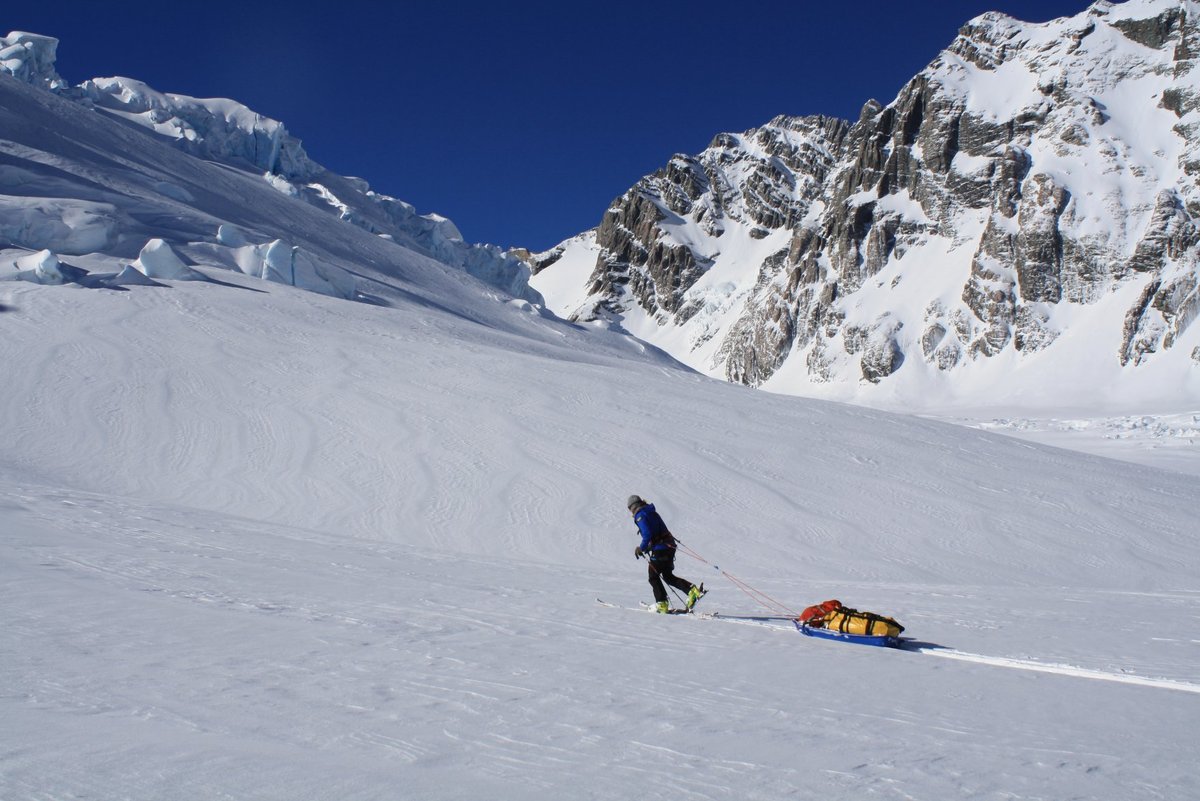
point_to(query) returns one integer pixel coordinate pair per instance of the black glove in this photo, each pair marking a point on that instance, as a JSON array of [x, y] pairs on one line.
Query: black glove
[[637, 552]]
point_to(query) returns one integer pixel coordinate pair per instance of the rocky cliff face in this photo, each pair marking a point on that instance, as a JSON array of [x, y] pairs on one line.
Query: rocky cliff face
[[1026, 179], [662, 235]]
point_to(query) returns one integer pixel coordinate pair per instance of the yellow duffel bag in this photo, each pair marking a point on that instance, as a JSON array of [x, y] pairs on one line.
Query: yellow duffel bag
[[852, 621]]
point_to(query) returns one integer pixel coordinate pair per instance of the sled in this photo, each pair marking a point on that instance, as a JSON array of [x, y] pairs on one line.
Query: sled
[[880, 640]]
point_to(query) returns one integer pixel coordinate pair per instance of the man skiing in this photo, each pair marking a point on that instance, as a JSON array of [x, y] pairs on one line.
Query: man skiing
[[658, 546]]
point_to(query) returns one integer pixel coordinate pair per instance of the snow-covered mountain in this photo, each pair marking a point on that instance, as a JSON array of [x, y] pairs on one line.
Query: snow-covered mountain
[[65, 194], [1019, 224]]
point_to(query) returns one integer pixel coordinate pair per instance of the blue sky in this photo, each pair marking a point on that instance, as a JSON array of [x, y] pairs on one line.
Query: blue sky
[[522, 120]]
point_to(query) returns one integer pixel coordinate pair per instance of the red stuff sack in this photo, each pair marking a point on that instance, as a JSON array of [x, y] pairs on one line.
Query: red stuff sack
[[816, 616]]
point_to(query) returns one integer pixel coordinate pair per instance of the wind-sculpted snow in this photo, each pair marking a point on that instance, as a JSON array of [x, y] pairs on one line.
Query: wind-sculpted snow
[[1035, 182], [67, 226], [66, 220], [259, 541]]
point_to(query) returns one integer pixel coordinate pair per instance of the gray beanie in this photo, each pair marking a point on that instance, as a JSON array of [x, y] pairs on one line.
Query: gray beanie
[[634, 501]]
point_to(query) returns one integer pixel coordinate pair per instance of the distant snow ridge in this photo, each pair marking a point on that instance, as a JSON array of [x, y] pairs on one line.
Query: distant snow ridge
[[212, 128], [228, 132], [1034, 186]]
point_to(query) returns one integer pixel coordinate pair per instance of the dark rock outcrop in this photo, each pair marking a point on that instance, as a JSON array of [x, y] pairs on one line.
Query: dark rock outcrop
[[997, 181]]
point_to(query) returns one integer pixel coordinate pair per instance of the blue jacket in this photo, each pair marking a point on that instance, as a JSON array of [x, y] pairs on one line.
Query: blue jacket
[[655, 535]]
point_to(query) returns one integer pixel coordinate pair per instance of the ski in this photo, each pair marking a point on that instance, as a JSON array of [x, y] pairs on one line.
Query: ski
[[642, 607], [651, 608]]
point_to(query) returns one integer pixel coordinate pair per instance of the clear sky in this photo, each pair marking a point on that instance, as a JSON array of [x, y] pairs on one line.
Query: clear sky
[[518, 120]]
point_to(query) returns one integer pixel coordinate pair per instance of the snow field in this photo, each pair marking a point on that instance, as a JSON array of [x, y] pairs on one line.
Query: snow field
[[419, 427], [160, 653], [1160, 440], [272, 544]]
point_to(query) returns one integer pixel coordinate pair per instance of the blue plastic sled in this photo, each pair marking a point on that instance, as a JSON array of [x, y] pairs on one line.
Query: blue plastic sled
[[882, 641]]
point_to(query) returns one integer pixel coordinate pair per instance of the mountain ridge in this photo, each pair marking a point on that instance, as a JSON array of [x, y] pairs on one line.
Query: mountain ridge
[[1030, 172], [228, 133]]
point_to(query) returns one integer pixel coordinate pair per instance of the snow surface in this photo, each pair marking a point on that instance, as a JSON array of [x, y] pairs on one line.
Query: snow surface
[[1163, 440], [278, 545], [567, 279]]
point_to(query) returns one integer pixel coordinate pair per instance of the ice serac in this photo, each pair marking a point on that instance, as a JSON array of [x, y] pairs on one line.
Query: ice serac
[[29, 57], [158, 260], [42, 267], [1033, 180], [227, 132], [211, 128]]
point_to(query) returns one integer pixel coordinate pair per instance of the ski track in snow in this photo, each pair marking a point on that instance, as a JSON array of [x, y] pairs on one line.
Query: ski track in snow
[[910, 645], [1062, 670]]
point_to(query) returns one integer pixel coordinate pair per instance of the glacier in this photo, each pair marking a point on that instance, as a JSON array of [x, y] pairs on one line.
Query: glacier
[[49, 201]]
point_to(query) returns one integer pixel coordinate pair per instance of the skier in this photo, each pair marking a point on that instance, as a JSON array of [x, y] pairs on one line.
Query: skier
[[658, 546]]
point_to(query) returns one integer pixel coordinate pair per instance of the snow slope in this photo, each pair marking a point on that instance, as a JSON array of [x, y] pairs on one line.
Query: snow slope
[[271, 544]]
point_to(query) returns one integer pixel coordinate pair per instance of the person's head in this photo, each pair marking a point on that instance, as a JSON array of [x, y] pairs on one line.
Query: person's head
[[634, 503]]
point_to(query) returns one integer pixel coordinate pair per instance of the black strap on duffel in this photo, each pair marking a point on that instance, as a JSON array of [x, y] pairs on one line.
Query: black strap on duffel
[[873, 621]]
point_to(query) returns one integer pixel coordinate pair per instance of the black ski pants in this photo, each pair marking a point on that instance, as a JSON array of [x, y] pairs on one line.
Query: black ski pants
[[662, 568]]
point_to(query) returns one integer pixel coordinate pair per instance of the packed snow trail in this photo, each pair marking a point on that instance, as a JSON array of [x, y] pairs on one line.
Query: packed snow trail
[[911, 645], [1062, 670]]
